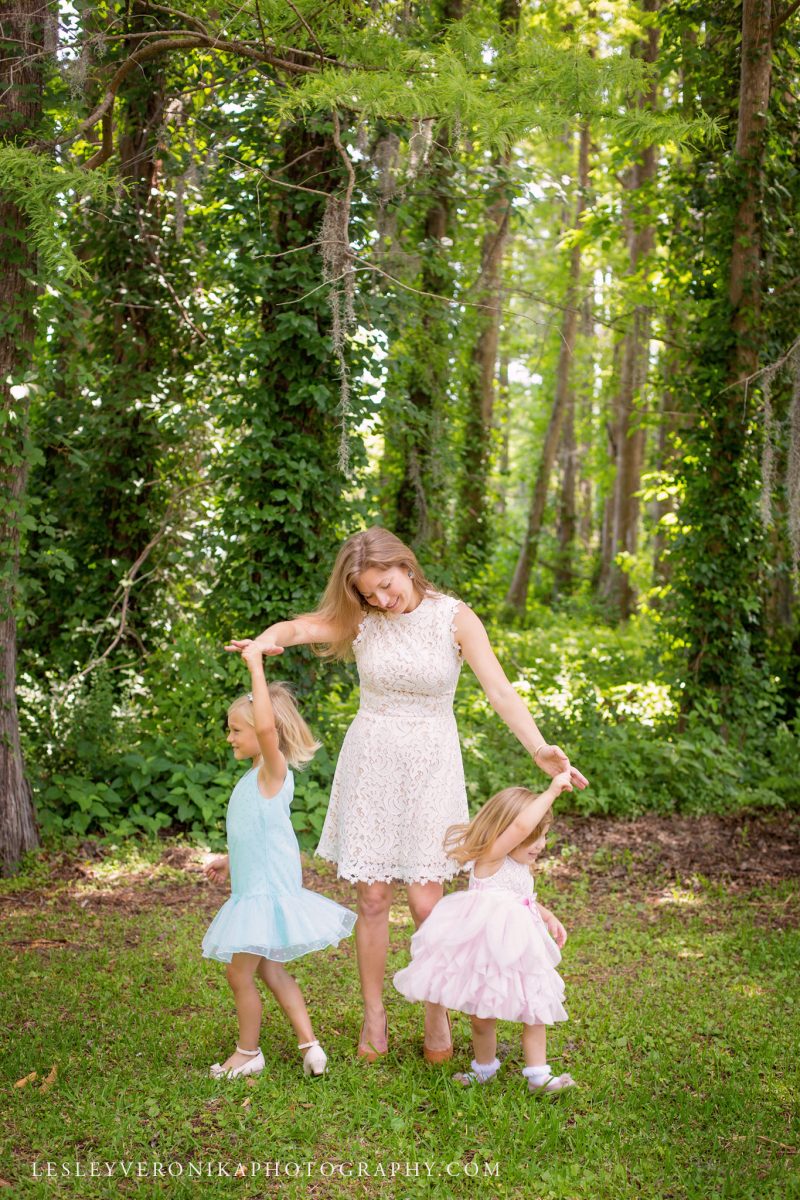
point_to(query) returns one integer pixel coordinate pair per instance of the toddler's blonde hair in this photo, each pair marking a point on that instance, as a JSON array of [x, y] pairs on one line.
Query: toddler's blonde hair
[[342, 604], [297, 743], [469, 843]]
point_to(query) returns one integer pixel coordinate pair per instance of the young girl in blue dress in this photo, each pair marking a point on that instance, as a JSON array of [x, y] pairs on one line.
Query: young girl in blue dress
[[270, 917]]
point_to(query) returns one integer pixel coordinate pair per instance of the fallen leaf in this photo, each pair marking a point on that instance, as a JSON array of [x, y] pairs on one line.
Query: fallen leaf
[[51, 1078], [246, 1102], [28, 1079]]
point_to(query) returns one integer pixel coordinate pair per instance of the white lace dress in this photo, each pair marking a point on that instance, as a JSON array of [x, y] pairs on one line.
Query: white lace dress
[[399, 781]]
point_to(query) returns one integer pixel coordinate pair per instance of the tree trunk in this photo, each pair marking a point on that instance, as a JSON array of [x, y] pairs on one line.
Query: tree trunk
[[630, 433], [416, 435], [473, 533], [744, 281], [518, 591], [21, 80]]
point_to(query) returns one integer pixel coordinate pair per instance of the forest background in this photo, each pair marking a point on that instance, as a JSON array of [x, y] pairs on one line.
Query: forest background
[[518, 280]]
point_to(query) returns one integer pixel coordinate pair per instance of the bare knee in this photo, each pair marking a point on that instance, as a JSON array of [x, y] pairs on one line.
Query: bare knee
[[240, 971], [374, 901], [422, 899], [273, 973]]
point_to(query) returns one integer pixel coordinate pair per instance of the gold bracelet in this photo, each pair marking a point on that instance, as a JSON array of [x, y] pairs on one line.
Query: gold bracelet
[[538, 748]]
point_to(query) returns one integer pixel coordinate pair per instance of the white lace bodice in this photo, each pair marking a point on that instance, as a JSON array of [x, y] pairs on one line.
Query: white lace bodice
[[408, 665], [510, 876]]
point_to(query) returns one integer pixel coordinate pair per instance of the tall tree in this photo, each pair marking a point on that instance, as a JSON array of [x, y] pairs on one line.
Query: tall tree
[[22, 26], [629, 434], [517, 594], [480, 383]]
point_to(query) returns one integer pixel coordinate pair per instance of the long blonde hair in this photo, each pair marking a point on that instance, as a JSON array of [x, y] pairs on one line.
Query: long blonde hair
[[468, 843], [297, 743], [342, 605]]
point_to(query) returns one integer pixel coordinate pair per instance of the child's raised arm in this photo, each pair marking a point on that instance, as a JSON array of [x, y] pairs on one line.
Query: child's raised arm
[[524, 825], [273, 763]]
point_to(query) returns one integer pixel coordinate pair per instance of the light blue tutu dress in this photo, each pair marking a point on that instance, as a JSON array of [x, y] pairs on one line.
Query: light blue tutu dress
[[269, 911]]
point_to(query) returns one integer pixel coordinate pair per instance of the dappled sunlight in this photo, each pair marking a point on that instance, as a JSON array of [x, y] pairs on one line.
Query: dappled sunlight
[[681, 897]]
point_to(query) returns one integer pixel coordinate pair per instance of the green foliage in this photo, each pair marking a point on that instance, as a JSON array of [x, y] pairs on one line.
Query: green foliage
[[42, 189]]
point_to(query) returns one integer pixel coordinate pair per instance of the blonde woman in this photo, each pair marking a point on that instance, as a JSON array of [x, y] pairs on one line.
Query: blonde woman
[[399, 782]]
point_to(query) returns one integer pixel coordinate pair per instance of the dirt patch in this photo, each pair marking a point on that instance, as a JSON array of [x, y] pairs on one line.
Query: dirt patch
[[740, 852]]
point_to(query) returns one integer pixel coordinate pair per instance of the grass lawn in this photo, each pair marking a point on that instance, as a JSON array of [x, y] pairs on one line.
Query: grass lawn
[[683, 1034]]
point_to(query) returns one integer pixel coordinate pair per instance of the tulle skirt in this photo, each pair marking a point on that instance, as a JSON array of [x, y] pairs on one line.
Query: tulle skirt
[[486, 952], [279, 927]]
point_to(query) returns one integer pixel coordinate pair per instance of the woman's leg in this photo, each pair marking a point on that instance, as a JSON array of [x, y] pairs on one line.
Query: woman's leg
[[372, 946], [534, 1045], [422, 899], [241, 972], [286, 991]]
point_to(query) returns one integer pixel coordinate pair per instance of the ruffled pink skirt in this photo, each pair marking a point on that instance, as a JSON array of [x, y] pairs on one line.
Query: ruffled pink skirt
[[486, 952]]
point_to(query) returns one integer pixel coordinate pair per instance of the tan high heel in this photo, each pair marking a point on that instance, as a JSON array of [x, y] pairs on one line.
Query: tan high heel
[[366, 1050], [439, 1056]]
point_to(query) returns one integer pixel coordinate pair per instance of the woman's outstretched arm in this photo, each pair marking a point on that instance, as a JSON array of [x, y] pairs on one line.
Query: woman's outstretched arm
[[509, 706], [301, 631]]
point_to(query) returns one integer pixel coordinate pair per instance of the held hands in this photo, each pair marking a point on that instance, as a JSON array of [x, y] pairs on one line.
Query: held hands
[[554, 761], [218, 869], [562, 782], [266, 647]]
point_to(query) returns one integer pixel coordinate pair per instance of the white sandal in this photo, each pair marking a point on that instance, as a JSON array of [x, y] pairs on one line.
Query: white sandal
[[315, 1059], [556, 1083], [254, 1067]]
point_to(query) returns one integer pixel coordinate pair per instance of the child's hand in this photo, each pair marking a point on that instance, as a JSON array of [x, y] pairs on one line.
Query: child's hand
[[218, 869], [554, 927], [252, 654], [561, 782]]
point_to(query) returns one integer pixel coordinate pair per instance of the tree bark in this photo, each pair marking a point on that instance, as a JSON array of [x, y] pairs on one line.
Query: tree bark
[[21, 83], [744, 283], [630, 433], [473, 534], [517, 595]]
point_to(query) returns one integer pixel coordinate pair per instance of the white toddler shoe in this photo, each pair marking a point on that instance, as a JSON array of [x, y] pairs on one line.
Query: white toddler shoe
[[315, 1059], [254, 1067]]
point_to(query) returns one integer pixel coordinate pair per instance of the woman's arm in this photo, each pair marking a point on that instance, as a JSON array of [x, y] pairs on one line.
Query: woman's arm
[[508, 705], [299, 632], [273, 763]]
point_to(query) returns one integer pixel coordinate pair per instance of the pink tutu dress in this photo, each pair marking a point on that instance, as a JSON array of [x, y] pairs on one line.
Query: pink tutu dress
[[486, 951]]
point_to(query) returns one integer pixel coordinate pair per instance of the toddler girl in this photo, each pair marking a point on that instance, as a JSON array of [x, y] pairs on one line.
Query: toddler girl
[[270, 917], [491, 951]]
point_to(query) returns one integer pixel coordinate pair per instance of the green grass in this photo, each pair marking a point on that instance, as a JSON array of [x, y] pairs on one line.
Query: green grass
[[683, 1035]]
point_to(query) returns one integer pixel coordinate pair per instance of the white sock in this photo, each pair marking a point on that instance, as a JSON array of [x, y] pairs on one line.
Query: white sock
[[538, 1074], [485, 1071]]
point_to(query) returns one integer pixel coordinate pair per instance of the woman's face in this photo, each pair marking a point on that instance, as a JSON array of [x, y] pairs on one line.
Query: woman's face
[[391, 590]]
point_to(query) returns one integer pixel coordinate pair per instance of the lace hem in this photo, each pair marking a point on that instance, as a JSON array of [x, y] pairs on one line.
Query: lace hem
[[365, 876]]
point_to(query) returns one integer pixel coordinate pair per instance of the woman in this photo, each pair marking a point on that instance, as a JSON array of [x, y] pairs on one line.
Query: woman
[[399, 781]]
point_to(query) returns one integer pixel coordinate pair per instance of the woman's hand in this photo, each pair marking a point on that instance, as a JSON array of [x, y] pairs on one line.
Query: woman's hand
[[218, 869], [553, 761], [267, 646]]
